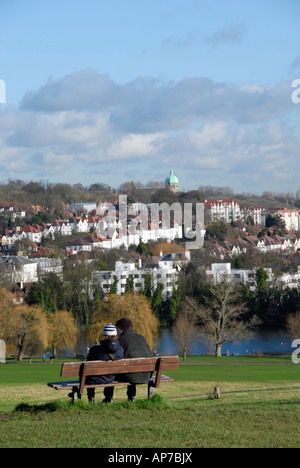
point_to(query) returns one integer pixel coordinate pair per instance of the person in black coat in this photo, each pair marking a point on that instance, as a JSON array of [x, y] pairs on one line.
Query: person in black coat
[[135, 346], [108, 349]]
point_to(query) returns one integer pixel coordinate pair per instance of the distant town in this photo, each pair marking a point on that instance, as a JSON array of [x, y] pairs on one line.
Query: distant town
[[37, 238]]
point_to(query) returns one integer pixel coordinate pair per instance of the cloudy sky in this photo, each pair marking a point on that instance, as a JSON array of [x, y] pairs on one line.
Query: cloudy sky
[[110, 91]]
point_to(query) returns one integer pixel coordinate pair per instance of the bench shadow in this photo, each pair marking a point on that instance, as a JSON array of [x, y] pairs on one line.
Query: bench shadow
[[156, 402], [34, 409]]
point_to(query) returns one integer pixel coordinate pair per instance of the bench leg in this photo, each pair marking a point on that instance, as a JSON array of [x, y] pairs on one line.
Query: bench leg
[[150, 390], [75, 395]]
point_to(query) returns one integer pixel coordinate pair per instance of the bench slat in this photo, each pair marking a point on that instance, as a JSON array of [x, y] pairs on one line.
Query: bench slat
[[124, 366], [64, 385], [70, 369], [76, 384]]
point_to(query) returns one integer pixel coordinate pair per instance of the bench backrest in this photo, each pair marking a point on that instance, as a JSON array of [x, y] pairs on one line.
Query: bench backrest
[[124, 366]]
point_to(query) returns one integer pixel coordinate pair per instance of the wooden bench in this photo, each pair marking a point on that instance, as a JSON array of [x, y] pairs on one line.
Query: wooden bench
[[155, 365]]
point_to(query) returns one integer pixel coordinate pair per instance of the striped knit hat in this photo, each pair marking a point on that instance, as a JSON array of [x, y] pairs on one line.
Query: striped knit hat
[[110, 330]]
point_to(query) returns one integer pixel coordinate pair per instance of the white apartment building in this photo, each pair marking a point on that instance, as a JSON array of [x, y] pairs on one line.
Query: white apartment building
[[49, 265], [83, 207], [225, 210], [289, 280], [19, 269], [25, 270], [230, 210], [290, 217], [258, 215], [161, 273], [223, 272]]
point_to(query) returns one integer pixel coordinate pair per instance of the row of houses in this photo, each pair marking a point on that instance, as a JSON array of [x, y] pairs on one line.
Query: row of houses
[[262, 244], [116, 235], [117, 241], [15, 211], [108, 233]]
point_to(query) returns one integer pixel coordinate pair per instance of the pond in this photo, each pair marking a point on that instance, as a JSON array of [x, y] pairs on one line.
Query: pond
[[272, 342]]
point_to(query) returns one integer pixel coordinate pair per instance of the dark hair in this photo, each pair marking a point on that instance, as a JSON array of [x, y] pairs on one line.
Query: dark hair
[[124, 324]]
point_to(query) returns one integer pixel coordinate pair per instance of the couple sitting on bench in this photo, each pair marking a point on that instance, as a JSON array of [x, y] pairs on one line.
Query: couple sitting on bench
[[119, 342]]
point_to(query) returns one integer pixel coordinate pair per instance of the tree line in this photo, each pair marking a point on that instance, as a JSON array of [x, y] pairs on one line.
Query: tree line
[[54, 313], [55, 195], [30, 329]]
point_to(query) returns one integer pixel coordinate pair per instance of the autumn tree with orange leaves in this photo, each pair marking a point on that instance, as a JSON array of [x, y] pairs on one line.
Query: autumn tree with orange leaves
[[132, 305], [22, 325]]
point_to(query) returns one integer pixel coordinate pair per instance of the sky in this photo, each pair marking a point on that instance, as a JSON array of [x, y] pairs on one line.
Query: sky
[[113, 91]]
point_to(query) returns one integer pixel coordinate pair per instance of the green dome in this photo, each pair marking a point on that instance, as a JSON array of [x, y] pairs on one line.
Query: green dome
[[172, 179]]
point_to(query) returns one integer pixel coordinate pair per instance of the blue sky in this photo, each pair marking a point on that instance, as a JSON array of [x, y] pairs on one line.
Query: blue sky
[[112, 91]]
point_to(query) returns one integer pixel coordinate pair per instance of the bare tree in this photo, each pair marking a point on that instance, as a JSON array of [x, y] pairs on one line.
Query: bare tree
[[222, 316], [184, 330]]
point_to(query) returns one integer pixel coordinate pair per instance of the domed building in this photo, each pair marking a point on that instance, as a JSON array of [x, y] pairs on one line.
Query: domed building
[[172, 183]]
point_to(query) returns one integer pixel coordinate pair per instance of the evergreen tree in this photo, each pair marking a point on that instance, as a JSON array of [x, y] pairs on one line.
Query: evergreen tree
[[157, 299], [129, 284]]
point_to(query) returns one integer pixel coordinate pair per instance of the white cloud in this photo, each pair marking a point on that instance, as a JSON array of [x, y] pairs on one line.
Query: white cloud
[[85, 121], [136, 146], [51, 158], [80, 90]]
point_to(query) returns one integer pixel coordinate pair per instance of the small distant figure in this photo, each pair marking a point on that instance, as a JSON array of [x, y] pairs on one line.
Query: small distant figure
[[51, 358], [44, 359], [228, 352], [217, 393]]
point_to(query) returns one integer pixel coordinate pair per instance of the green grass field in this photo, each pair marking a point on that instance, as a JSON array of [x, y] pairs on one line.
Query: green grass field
[[259, 407]]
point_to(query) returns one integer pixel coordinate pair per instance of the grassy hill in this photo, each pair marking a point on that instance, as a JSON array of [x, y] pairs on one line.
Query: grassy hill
[[259, 407]]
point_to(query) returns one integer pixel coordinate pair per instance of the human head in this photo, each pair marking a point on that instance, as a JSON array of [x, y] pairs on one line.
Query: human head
[[123, 324], [110, 332]]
